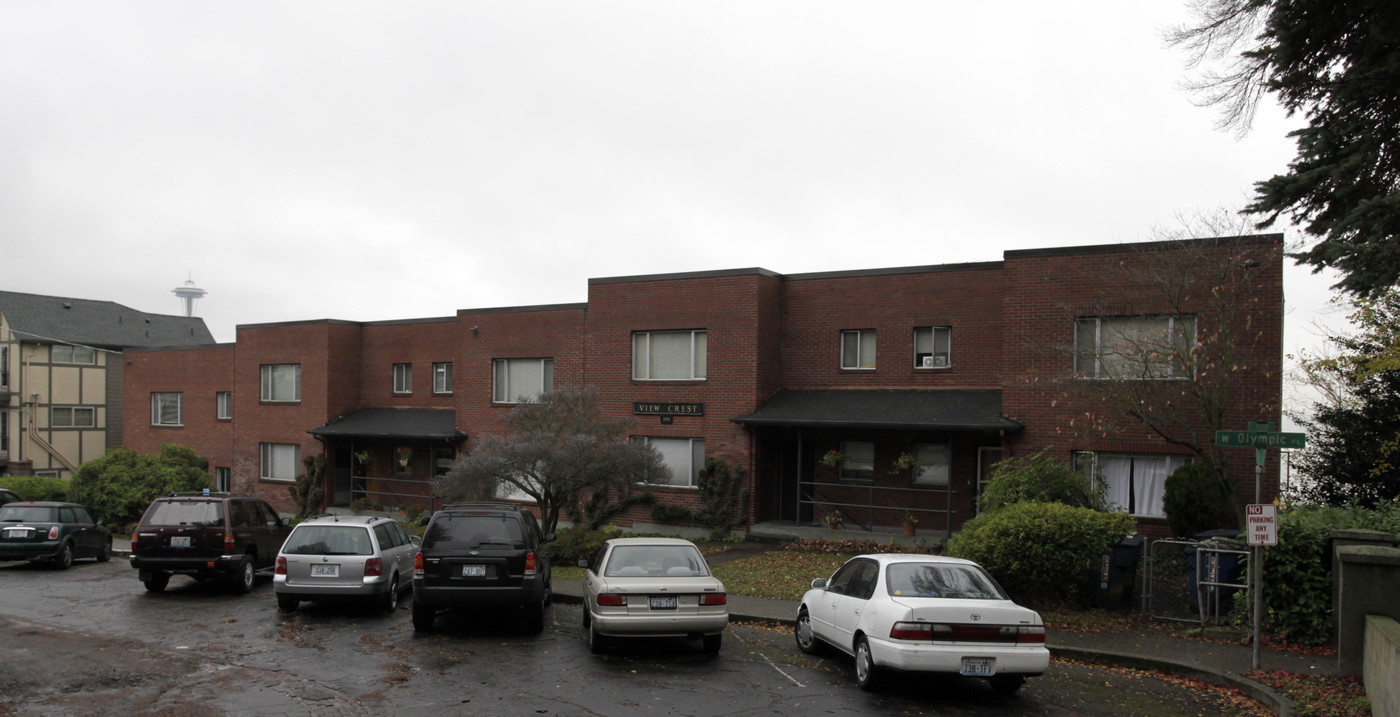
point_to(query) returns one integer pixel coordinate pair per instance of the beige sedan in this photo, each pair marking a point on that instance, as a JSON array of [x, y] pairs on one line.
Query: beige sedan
[[652, 587]]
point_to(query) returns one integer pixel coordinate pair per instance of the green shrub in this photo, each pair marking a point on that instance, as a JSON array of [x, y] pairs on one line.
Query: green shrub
[[724, 497], [1041, 479], [307, 490], [1195, 501], [1298, 571], [1040, 552], [119, 486], [669, 513], [37, 487], [577, 543]]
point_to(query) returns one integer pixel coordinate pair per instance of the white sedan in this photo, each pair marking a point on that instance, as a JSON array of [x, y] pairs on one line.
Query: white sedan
[[922, 613], [652, 587]]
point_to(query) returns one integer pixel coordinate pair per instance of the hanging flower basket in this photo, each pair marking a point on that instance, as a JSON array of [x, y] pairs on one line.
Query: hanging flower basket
[[833, 459]]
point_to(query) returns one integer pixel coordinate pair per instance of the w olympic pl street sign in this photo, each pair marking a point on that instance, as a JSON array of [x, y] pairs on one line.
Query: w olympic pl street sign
[[1259, 439]]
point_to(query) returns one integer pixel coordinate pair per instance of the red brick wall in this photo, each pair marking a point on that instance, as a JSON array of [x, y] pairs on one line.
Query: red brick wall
[[199, 373]]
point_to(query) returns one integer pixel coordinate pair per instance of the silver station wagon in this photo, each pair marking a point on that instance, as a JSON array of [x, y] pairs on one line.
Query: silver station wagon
[[332, 557]]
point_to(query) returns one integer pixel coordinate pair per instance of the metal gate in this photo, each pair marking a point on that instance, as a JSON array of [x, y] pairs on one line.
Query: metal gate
[[1192, 580]]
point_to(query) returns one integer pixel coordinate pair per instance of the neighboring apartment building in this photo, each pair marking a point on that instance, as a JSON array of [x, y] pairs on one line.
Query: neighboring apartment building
[[61, 376], [875, 393]]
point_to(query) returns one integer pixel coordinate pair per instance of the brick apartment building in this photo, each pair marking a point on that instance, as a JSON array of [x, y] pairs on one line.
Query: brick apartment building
[[947, 367]]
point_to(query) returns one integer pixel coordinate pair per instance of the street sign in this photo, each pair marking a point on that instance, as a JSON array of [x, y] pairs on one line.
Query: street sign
[[1261, 521], [1259, 439]]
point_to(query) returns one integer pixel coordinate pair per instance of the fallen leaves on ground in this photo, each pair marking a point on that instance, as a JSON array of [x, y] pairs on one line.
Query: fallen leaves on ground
[[1329, 695]]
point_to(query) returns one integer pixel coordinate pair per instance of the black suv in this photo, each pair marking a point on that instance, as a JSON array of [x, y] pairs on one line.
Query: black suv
[[482, 555], [206, 535]]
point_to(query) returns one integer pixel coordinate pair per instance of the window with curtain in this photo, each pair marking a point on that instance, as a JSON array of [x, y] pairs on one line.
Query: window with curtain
[[165, 409], [517, 380], [935, 460], [281, 382], [442, 377], [669, 355], [1134, 483], [684, 456], [279, 461], [403, 378], [858, 349], [1134, 347]]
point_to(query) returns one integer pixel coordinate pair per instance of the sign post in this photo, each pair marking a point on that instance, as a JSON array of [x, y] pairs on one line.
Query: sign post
[[1261, 519]]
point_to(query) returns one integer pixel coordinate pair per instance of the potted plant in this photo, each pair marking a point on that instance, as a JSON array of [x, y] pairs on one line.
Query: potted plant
[[403, 456], [833, 519], [833, 459], [905, 461], [910, 523]]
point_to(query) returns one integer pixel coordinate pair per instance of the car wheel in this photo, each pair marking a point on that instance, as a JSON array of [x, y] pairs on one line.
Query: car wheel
[[423, 617], [390, 602], [1007, 684], [807, 640], [867, 675], [597, 642], [711, 643], [287, 603], [64, 559], [157, 582], [243, 580], [105, 553]]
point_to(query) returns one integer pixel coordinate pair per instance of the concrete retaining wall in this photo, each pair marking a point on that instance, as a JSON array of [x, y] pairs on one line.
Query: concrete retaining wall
[[1381, 670]]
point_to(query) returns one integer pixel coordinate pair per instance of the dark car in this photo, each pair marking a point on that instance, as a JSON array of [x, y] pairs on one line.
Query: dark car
[[482, 555], [206, 535], [9, 496], [56, 532]]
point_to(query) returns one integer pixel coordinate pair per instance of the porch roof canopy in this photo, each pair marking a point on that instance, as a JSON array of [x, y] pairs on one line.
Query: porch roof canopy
[[421, 423], [947, 410]]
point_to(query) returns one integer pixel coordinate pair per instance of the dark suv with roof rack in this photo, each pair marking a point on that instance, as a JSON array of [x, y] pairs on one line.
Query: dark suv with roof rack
[[206, 535], [482, 555]]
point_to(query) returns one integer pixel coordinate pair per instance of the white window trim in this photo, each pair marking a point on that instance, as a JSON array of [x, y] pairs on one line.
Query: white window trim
[[923, 475], [156, 408], [862, 335], [442, 377], [692, 478], [223, 405], [1098, 371], [641, 371], [933, 357], [846, 449], [500, 364], [264, 460], [267, 371], [403, 378]]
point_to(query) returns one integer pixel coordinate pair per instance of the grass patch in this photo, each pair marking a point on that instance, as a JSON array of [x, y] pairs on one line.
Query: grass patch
[[781, 575]]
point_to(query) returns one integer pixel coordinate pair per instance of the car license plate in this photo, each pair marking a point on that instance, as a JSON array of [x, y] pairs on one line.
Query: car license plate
[[180, 541], [473, 571], [325, 571], [16, 532], [663, 603], [977, 666]]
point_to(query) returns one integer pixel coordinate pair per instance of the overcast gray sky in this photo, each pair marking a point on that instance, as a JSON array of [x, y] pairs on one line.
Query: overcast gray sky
[[368, 161]]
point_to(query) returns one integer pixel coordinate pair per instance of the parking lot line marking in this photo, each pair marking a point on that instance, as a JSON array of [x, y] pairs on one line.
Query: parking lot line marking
[[774, 666]]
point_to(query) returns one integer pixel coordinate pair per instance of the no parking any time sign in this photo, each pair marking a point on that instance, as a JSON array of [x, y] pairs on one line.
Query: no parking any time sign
[[1261, 520]]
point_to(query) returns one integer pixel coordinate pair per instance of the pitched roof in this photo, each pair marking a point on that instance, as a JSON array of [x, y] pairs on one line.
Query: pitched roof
[[394, 423], [102, 324], [949, 410]]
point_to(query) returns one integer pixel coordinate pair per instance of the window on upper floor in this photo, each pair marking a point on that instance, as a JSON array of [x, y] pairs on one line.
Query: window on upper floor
[[403, 378], [932, 346], [858, 349], [1133, 483], [1134, 347], [166, 409], [668, 355], [281, 382], [517, 380], [72, 417], [63, 353], [683, 456], [279, 461], [442, 377], [223, 402]]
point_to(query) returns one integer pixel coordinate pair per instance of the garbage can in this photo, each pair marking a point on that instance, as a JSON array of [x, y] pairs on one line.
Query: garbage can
[[1112, 585]]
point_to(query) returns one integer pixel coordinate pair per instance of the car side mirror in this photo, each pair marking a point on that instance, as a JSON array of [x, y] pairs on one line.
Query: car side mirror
[[819, 583], [583, 564], [416, 540]]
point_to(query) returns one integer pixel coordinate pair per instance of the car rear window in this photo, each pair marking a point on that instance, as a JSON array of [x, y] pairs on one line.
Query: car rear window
[[199, 513], [941, 581], [676, 561], [328, 540], [472, 531], [27, 514]]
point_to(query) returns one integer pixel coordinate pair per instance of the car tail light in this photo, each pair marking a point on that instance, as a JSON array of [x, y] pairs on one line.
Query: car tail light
[[912, 631], [418, 565], [53, 533], [611, 599], [281, 568], [228, 541], [531, 564], [714, 599], [374, 567], [1031, 634]]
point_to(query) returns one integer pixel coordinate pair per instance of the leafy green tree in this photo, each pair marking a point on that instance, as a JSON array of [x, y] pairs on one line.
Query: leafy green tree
[[1038, 478], [1337, 63], [1195, 501], [119, 486], [561, 451], [1353, 451]]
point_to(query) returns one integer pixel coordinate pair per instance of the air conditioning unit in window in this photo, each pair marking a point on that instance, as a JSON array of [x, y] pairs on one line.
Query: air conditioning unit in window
[[927, 362], [940, 361]]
